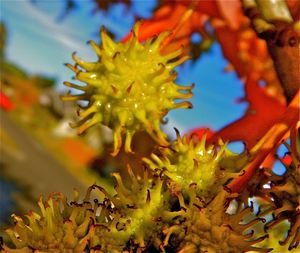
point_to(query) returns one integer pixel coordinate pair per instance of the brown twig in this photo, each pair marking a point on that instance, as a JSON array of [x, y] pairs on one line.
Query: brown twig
[[273, 23]]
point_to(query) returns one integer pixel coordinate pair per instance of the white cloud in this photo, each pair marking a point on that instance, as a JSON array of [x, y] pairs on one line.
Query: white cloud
[[53, 30], [33, 20]]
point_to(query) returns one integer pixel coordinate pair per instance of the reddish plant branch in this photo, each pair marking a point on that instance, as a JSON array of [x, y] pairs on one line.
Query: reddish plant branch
[[283, 45], [268, 143], [273, 23]]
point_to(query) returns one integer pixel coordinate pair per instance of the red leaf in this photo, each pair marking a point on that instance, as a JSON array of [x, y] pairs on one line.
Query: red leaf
[[167, 18], [264, 110], [287, 159], [5, 102], [268, 143], [247, 54], [294, 6], [231, 11], [200, 132]]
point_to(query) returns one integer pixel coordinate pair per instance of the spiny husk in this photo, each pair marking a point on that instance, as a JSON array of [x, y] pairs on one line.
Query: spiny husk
[[185, 162], [138, 210], [129, 221], [206, 227], [278, 198], [278, 239], [129, 88], [284, 194]]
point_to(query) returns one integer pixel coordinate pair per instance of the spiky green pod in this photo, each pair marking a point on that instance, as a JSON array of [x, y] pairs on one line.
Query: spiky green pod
[[277, 239], [140, 210], [130, 88], [283, 194], [59, 226], [130, 220], [186, 162], [208, 228]]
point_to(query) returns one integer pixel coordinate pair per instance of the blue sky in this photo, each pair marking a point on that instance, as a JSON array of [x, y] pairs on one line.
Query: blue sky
[[41, 44]]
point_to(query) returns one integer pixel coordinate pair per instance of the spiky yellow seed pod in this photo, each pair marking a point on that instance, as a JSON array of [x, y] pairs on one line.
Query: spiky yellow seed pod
[[186, 162], [278, 239], [128, 221], [135, 210], [206, 227], [130, 88], [284, 195], [58, 227]]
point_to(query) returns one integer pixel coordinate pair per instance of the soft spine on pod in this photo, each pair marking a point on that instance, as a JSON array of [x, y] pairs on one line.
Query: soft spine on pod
[[206, 227], [144, 214], [129, 88], [130, 220], [187, 162], [282, 196]]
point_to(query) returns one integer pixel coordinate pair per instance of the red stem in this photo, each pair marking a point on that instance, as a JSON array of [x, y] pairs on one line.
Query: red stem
[[269, 142]]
